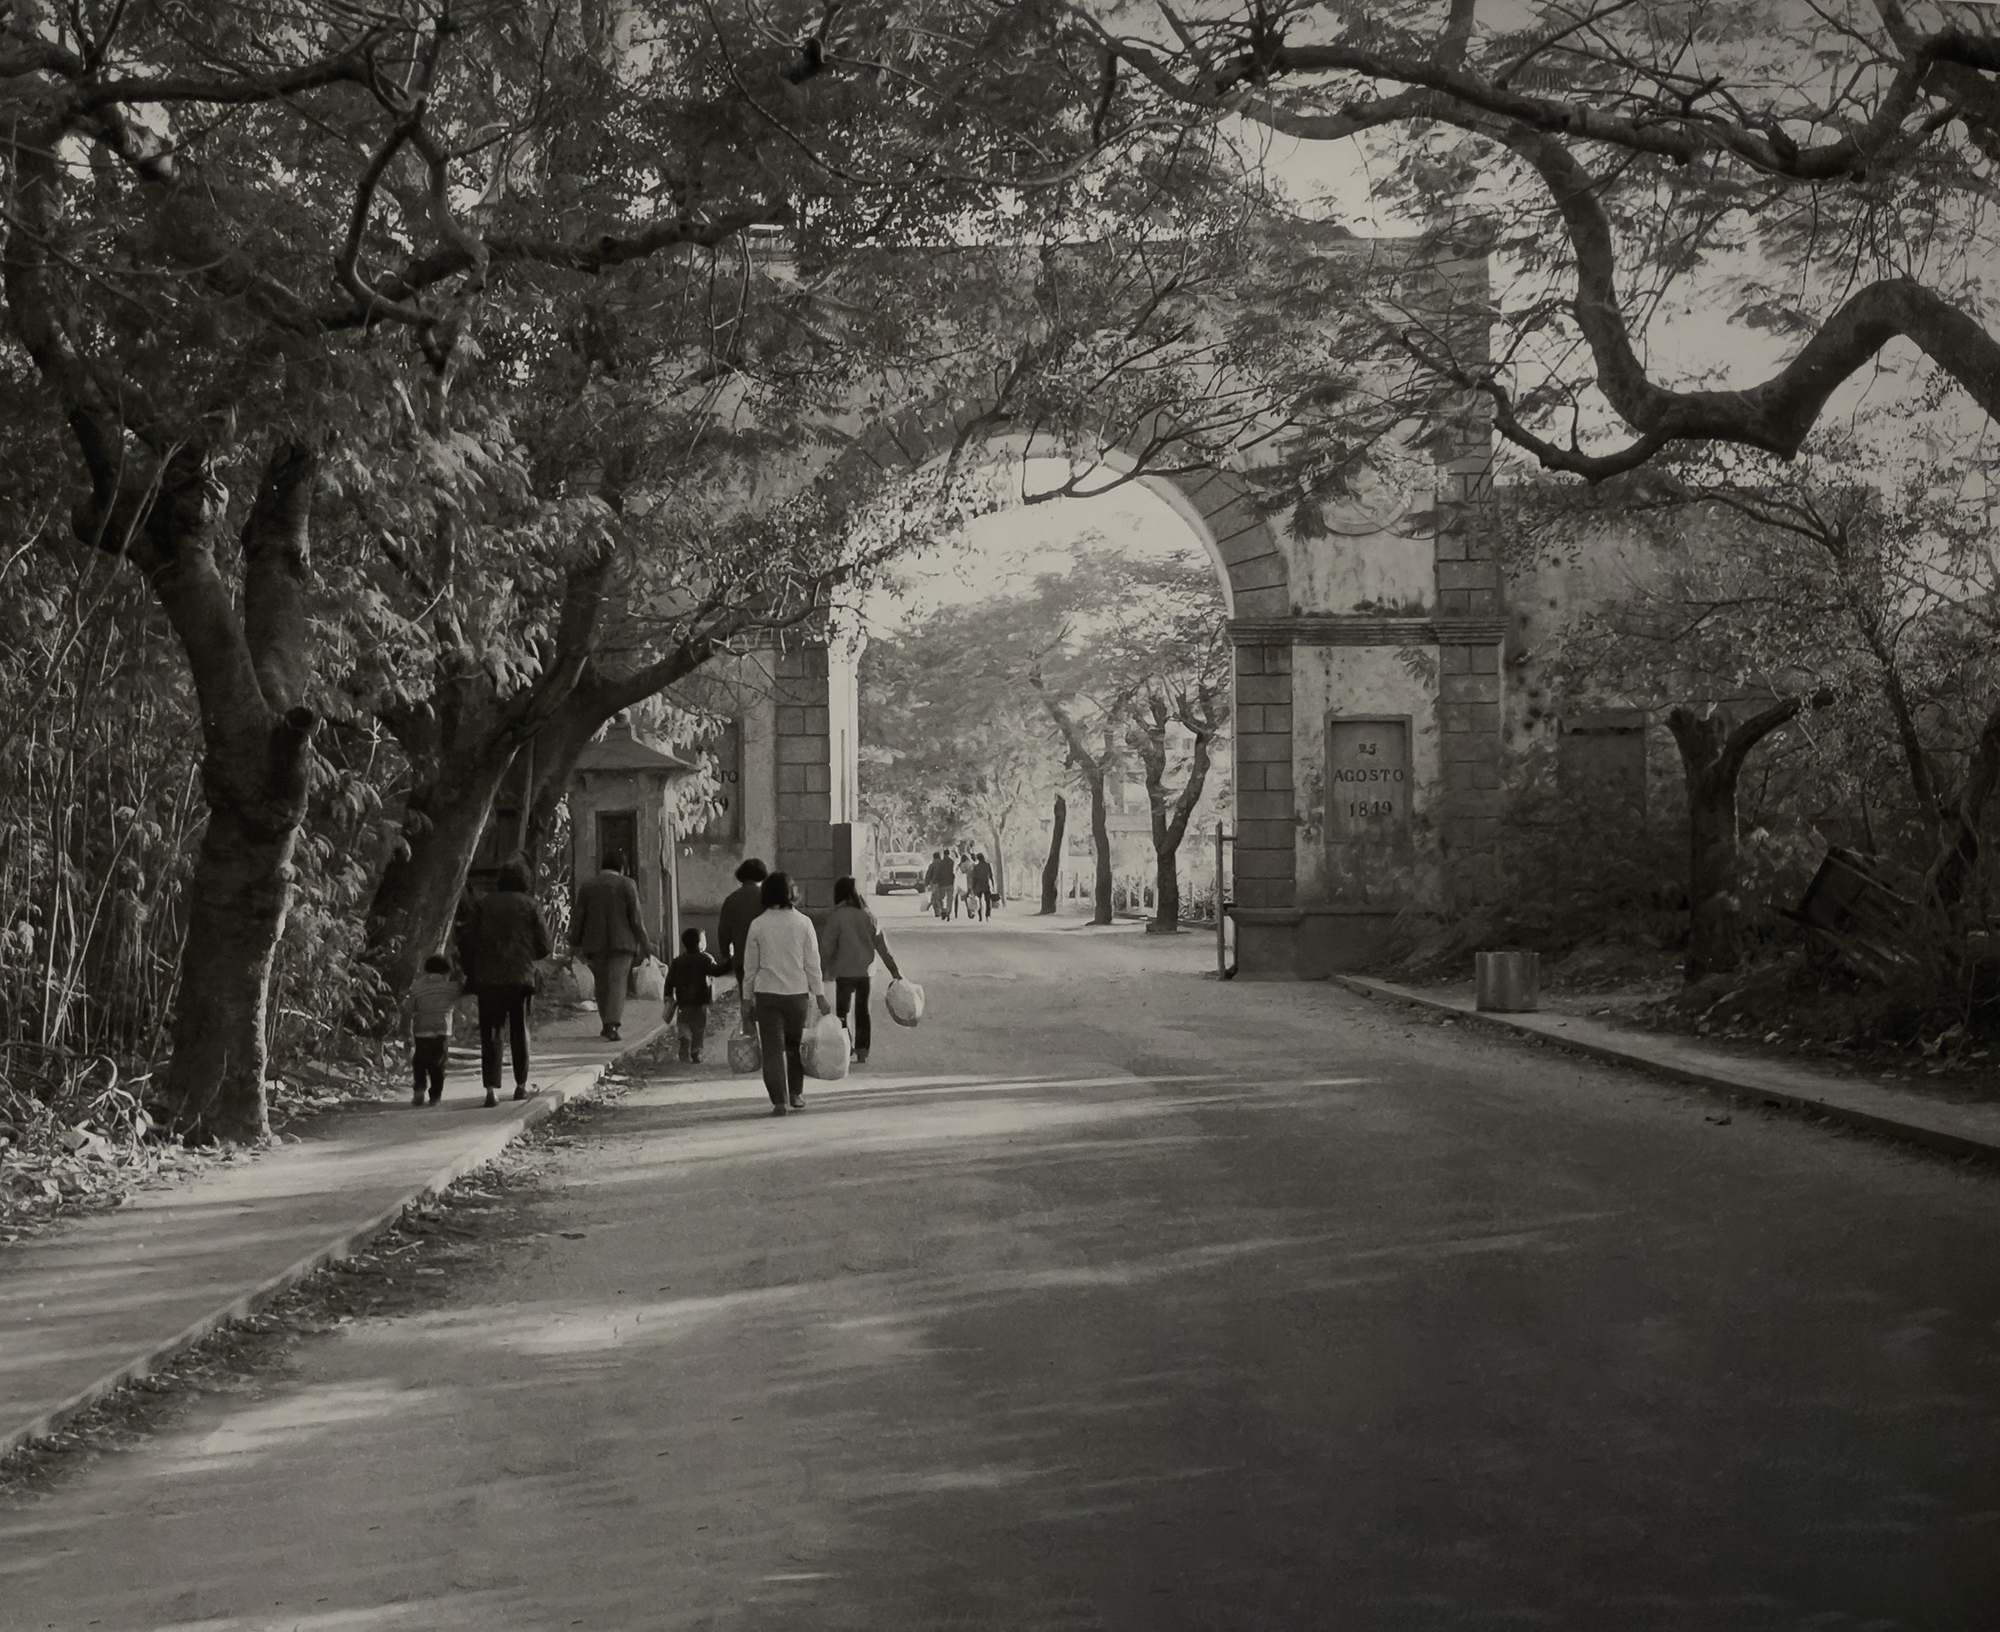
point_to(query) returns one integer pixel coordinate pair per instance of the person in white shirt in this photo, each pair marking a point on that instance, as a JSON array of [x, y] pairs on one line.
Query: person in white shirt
[[781, 970]]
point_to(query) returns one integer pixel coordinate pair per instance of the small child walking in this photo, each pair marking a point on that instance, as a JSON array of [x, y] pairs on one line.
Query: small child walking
[[690, 990], [433, 996]]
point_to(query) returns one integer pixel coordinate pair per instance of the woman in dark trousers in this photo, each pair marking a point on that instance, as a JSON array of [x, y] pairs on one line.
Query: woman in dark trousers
[[848, 947], [503, 940], [781, 968]]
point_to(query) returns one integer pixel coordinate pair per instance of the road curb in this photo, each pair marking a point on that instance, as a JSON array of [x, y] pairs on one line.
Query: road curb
[[490, 1142], [1734, 1083]]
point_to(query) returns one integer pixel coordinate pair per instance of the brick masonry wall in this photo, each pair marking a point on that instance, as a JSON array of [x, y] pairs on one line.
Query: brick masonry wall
[[1266, 860], [1468, 585], [805, 776]]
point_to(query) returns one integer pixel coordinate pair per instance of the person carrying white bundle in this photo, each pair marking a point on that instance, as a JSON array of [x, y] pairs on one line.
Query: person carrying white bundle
[[824, 1051], [905, 1001], [848, 947], [781, 969]]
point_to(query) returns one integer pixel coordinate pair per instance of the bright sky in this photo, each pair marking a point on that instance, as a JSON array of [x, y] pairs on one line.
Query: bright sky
[[1003, 552]]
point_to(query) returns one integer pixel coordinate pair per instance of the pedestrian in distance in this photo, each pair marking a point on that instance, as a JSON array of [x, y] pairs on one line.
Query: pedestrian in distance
[[505, 937], [948, 872], [608, 929], [781, 969], [982, 883], [849, 943], [433, 997], [939, 878], [968, 897], [732, 928], [690, 990]]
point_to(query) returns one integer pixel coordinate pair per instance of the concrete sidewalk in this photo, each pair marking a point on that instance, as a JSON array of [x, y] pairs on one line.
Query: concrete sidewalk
[[1962, 1129], [114, 1296]]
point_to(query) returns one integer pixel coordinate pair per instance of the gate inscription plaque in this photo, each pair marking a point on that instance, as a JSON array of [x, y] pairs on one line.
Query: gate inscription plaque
[[1367, 781]]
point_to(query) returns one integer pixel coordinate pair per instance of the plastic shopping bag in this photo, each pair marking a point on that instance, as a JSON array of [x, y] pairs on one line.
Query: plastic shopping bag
[[647, 981], [745, 1055], [905, 1001], [823, 1051]]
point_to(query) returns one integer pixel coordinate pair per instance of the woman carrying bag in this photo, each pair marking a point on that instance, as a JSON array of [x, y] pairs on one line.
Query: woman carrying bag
[[781, 970], [848, 947]]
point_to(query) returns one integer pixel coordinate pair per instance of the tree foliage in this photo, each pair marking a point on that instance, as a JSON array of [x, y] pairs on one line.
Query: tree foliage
[[1118, 668], [1824, 170], [361, 329]]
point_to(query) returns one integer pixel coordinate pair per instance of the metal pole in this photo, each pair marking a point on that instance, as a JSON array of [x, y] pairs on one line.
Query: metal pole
[[527, 801], [1221, 933], [670, 878]]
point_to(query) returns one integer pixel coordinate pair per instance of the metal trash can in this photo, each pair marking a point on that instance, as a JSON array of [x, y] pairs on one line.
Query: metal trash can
[[1508, 982]]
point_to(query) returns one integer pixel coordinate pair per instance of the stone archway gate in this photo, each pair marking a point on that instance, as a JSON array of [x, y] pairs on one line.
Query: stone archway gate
[[1323, 673]]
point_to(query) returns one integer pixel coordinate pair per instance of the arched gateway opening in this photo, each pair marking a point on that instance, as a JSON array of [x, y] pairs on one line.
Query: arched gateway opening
[[1257, 593], [1074, 649], [1368, 710]]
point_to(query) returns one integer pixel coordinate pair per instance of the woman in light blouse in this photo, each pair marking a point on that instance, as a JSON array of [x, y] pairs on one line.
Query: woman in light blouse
[[781, 970]]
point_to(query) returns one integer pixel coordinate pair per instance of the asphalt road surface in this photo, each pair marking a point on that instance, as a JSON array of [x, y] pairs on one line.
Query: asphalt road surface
[[1116, 1297]]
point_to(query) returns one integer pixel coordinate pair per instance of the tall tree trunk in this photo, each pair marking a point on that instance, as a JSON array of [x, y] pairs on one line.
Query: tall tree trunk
[[237, 901], [1712, 756], [156, 501], [466, 739], [250, 672], [416, 901], [1169, 817], [1148, 739], [1052, 868], [558, 746], [1166, 894], [1712, 906], [1958, 852], [1957, 819], [1094, 768], [418, 897], [1100, 845], [599, 695]]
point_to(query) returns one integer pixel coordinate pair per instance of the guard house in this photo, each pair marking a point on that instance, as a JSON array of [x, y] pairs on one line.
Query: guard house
[[618, 801]]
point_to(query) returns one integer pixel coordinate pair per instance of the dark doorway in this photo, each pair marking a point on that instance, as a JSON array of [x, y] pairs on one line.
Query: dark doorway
[[619, 830], [1601, 764]]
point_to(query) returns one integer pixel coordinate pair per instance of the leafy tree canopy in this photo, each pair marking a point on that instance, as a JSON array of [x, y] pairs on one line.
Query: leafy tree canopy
[[1824, 169]]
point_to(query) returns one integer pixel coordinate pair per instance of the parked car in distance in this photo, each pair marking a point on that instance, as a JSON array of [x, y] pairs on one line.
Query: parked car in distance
[[899, 870]]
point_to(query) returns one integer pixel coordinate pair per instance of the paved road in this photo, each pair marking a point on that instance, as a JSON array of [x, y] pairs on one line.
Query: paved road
[[1118, 1298]]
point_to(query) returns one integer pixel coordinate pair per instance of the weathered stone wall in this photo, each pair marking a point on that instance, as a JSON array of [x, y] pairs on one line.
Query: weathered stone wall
[[1266, 851], [1379, 681], [805, 772], [816, 765], [1471, 627], [744, 688]]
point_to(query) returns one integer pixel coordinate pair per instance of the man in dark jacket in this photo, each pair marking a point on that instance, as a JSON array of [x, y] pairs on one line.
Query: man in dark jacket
[[732, 929], [606, 927], [500, 941], [939, 879]]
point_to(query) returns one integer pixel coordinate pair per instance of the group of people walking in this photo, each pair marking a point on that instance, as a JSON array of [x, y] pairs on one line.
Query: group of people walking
[[501, 939], [783, 969], [961, 883]]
